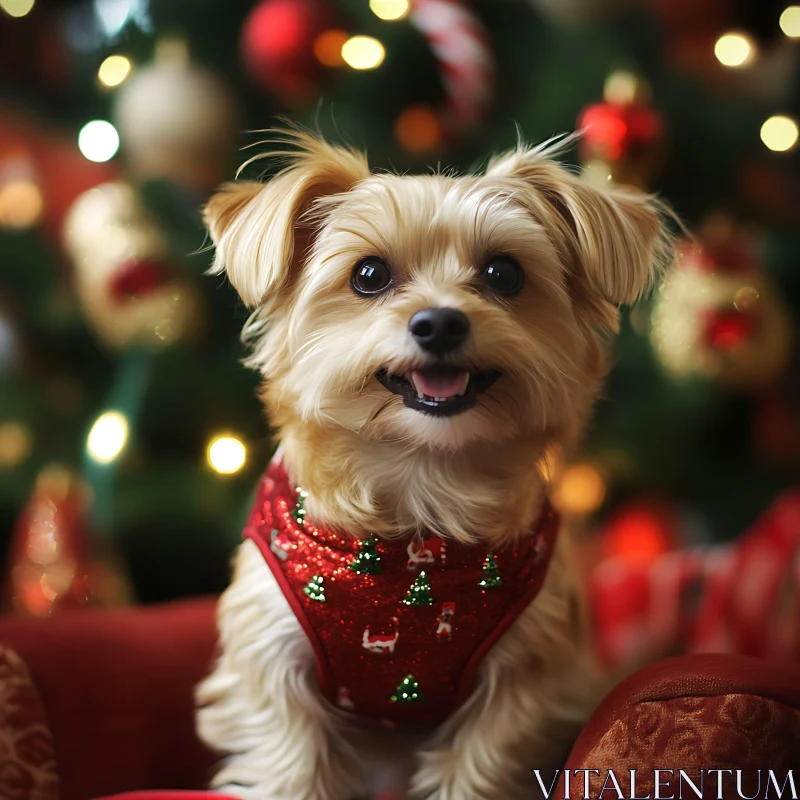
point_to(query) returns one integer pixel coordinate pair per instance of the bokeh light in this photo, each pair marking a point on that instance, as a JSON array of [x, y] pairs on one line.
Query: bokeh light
[[17, 8], [734, 50], [328, 47], [226, 454], [98, 140], [597, 172], [114, 70], [779, 133], [418, 129], [637, 533], [621, 88], [390, 9], [363, 52], [581, 490], [108, 437], [21, 203], [790, 22], [15, 443]]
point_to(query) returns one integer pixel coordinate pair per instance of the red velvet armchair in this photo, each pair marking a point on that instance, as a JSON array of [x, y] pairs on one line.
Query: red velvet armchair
[[95, 703]]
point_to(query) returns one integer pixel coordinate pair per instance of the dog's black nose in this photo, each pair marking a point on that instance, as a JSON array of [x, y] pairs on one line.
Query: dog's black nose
[[439, 330]]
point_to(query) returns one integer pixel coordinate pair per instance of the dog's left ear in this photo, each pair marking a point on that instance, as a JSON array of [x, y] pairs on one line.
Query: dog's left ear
[[617, 237], [262, 231]]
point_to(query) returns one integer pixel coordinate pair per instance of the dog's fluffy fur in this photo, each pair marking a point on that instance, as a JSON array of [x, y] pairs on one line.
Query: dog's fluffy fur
[[372, 465]]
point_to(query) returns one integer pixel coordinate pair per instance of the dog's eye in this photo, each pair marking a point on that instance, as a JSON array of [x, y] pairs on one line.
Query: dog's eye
[[503, 275], [371, 276]]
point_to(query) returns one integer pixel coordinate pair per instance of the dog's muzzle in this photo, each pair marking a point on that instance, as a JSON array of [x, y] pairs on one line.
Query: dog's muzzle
[[441, 391]]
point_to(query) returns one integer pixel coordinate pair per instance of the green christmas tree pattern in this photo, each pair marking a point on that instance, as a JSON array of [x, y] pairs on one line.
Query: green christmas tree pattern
[[408, 691], [420, 592], [299, 510], [368, 559], [491, 573], [315, 589]]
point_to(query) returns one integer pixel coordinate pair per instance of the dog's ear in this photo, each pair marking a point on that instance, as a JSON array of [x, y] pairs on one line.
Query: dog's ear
[[261, 231], [617, 237]]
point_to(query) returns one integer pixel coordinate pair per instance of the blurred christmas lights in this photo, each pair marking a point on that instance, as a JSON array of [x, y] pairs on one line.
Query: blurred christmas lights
[[15, 443], [108, 437], [790, 22], [597, 172], [98, 140], [581, 490], [363, 52], [779, 133], [734, 50], [114, 70], [418, 129], [328, 47], [21, 203], [622, 88], [226, 454], [16, 8], [113, 15], [390, 9]]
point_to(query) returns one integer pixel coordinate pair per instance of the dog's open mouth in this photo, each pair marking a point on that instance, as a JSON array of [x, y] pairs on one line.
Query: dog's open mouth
[[441, 391]]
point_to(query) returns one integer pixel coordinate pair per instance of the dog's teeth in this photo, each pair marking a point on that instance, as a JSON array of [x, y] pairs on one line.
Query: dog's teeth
[[412, 379], [464, 384]]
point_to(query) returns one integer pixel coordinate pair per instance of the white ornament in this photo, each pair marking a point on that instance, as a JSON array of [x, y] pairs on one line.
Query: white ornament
[[177, 121]]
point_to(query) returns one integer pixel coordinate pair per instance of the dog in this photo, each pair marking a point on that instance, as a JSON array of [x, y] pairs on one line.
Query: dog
[[425, 342]]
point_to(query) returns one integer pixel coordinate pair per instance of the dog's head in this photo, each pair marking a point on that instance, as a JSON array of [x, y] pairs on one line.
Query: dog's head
[[437, 310]]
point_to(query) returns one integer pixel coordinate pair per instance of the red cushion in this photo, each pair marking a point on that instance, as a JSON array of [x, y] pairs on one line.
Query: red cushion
[[117, 687], [169, 795]]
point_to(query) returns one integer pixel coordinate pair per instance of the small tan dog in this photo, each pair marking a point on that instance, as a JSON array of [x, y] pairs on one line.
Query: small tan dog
[[425, 341]]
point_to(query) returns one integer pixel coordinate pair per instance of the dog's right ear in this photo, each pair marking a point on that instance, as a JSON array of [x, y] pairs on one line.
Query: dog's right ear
[[261, 231]]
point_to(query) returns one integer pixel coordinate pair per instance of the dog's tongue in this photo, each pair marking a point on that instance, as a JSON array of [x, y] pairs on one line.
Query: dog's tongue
[[442, 386]]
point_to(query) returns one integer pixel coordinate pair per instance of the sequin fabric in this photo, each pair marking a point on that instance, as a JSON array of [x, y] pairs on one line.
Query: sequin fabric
[[369, 643]]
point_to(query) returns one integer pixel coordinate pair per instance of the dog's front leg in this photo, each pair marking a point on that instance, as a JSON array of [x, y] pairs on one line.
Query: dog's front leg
[[536, 689], [261, 707], [490, 751]]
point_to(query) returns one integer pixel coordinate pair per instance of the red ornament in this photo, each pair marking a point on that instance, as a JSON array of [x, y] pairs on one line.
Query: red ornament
[[137, 279], [726, 329], [52, 562], [48, 548], [278, 47], [615, 131], [638, 533]]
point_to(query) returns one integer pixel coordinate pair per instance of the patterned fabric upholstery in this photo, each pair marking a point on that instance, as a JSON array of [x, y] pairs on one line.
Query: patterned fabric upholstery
[[699, 733], [27, 759], [695, 713]]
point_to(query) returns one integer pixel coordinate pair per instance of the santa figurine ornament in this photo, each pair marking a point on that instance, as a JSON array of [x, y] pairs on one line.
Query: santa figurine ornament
[[125, 276]]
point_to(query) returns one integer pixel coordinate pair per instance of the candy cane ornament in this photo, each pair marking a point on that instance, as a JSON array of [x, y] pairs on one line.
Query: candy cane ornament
[[466, 62]]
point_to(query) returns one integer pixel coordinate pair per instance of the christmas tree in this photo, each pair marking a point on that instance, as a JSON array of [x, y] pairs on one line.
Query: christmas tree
[[368, 559], [491, 574], [420, 592], [155, 411], [315, 589], [299, 511], [408, 691]]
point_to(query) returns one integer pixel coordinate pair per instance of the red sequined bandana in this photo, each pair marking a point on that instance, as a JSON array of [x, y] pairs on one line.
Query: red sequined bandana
[[398, 627]]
